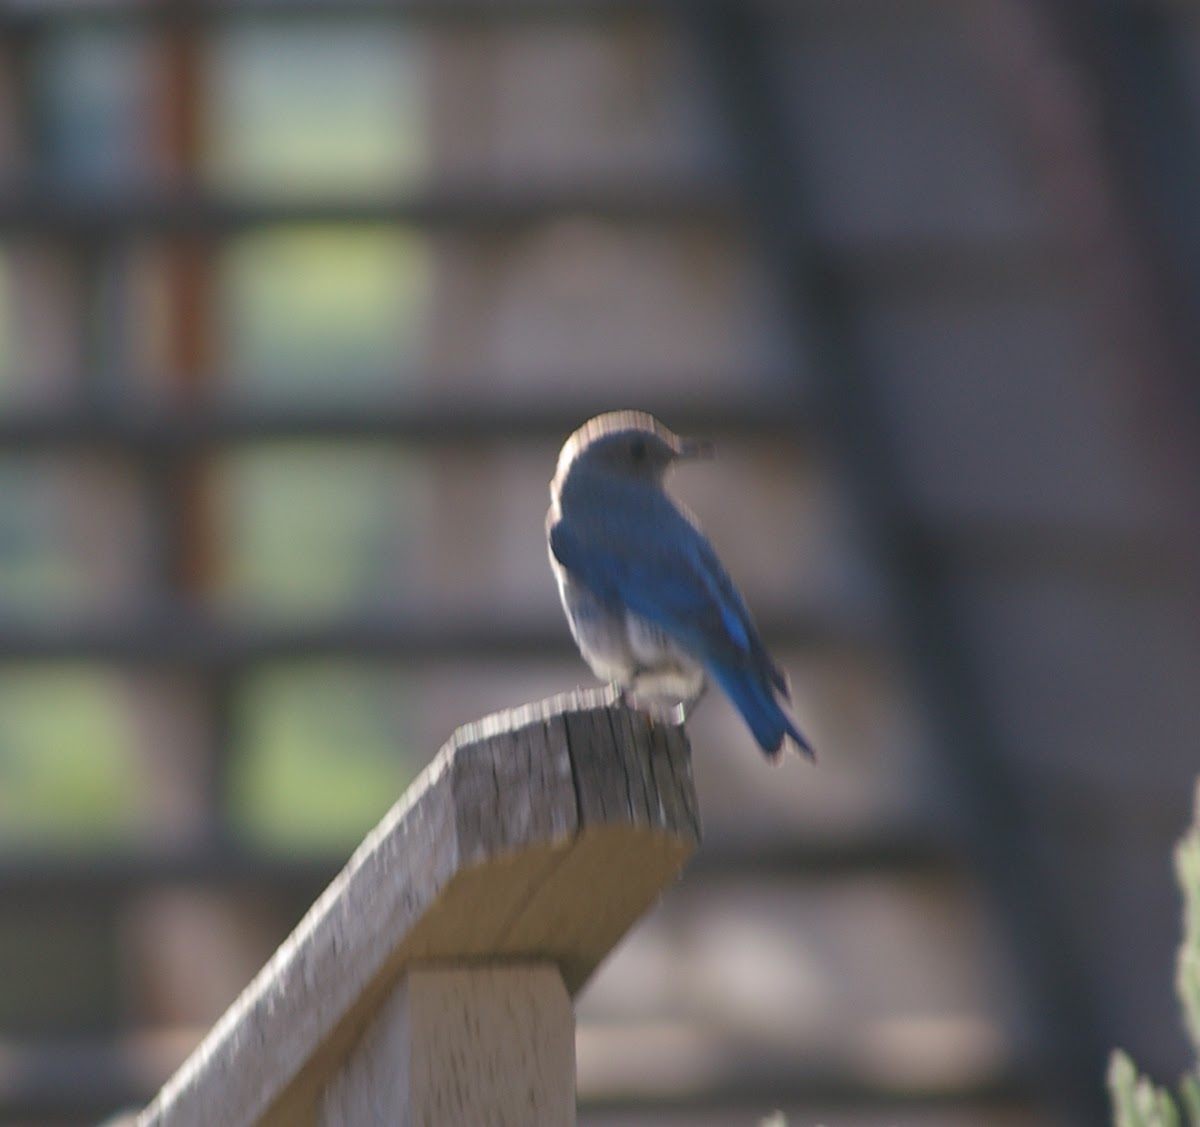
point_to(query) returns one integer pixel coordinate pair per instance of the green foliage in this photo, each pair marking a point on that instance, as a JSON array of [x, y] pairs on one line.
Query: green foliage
[[1137, 1101], [324, 755], [68, 763], [1187, 872], [316, 531]]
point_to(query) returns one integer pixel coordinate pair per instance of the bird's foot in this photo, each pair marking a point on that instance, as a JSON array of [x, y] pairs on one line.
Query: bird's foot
[[685, 708], [619, 694], [656, 710], [659, 712]]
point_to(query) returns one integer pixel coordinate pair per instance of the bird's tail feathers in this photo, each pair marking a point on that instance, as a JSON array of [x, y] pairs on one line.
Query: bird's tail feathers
[[766, 717]]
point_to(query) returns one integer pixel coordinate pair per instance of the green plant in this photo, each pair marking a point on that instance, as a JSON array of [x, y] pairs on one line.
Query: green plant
[[1137, 1100]]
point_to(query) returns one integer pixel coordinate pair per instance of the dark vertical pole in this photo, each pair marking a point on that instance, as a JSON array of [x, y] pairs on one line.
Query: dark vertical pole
[[983, 803], [1140, 134], [180, 482]]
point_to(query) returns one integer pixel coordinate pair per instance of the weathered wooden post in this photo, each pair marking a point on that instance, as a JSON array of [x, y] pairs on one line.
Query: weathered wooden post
[[430, 984]]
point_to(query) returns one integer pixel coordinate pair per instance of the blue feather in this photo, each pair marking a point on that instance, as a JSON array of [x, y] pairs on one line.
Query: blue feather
[[765, 717]]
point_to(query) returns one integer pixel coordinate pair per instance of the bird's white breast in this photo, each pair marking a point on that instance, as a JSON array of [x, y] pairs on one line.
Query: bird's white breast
[[626, 649]]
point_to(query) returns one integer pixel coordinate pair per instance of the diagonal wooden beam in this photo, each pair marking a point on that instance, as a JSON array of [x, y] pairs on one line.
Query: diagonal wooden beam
[[532, 842]]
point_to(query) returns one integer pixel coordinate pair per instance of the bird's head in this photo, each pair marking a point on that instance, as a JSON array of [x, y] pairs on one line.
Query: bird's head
[[629, 444]]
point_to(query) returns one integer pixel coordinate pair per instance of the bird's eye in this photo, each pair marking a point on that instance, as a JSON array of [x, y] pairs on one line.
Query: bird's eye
[[637, 450]]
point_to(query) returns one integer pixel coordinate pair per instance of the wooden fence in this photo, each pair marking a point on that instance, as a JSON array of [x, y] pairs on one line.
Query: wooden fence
[[431, 983]]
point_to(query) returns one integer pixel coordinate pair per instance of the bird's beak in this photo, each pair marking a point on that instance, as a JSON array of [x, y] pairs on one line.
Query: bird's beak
[[693, 449]]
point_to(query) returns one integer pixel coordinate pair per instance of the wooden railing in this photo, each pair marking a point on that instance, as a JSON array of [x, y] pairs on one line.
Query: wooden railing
[[431, 983]]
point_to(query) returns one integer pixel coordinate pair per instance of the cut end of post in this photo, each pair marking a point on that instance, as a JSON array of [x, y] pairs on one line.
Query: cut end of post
[[608, 790], [624, 768]]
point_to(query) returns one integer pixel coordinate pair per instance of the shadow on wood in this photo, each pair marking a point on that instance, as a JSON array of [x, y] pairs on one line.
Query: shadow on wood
[[526, 849]]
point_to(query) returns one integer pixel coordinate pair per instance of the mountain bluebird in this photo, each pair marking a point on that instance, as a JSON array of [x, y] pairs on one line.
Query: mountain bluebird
[[650, 606]]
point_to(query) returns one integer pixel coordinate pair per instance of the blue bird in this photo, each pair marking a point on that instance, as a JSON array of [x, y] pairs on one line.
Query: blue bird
[[649, 604]]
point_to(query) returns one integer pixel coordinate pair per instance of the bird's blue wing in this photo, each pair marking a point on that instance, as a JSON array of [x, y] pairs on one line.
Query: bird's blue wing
[[670, 577]]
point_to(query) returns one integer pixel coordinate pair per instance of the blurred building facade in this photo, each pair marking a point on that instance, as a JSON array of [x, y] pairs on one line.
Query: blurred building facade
[[297, 304]]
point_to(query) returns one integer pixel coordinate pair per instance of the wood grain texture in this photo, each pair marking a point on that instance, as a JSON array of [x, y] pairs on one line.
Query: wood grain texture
[[537, 834], [485, 1045]]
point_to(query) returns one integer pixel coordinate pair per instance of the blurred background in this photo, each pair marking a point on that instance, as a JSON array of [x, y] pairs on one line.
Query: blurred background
[[298, 300]]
